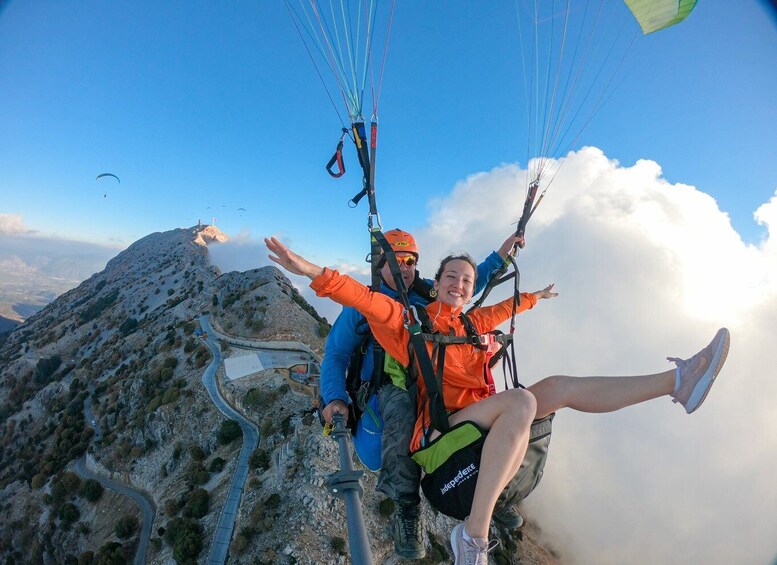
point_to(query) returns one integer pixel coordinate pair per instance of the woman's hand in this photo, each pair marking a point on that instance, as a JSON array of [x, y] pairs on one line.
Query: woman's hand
[[546, 292], [290, 261], [510, 244]]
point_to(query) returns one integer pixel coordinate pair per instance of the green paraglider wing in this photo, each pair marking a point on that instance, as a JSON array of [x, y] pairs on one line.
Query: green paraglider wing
[[655, 15]]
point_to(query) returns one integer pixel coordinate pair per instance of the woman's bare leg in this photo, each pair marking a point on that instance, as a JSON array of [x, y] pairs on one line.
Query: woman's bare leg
[[509, 414], [508, 417], [689, 384], [599, 394]]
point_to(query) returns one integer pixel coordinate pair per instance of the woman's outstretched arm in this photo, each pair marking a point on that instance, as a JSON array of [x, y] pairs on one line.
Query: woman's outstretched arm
[[487, 318], [290, 261], [383, 313]]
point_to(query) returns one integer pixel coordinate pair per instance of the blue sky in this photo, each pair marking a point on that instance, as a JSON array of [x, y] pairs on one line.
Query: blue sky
[[203, 108]]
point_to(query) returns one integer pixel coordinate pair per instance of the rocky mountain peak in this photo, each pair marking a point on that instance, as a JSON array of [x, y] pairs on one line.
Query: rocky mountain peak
[[209, 234]]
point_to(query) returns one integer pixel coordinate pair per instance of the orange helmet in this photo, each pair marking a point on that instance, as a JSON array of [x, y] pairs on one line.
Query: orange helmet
[[401, 241]]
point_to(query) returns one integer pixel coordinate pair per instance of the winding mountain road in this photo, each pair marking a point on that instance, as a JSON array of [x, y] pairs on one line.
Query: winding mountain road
[[220, 548], [141, 498], [144, 502], [98, 434], [272, 355]]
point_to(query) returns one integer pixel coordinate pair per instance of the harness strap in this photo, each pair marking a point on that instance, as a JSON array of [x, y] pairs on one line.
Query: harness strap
[[529, 207], [488, 377], [436, 404], [373, 156], [481, 341], [360, 139], [438, 359], [417, 320]]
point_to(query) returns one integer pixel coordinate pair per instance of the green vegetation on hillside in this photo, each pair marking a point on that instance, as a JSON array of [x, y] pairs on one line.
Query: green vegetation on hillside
[[98, 307]]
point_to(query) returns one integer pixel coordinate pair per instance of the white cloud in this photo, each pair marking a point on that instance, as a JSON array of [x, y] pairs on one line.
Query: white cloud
[[16, 264], [240, 253], [766, 215], [12, 224], [645, 269]]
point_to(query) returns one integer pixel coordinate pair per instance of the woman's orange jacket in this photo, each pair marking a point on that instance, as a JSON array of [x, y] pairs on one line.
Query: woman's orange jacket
[[463, 382]]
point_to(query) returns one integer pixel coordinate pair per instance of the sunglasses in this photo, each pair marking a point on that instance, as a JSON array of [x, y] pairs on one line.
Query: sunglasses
[[409, 261]]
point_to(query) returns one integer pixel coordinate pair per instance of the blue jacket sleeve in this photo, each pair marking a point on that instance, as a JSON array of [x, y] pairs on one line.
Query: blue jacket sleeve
[[486, 269], [342, 341]]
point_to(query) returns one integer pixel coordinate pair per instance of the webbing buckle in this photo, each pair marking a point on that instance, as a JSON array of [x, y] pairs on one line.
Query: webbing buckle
[[410, 318], [362, 395], [485, 341], [373, 222]]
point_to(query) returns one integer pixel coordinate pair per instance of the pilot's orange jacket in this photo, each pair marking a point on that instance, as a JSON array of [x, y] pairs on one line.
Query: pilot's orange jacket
[[463, 381]]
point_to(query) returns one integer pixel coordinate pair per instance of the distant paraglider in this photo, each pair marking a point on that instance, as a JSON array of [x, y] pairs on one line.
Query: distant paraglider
[[107, 175], [103, 175]]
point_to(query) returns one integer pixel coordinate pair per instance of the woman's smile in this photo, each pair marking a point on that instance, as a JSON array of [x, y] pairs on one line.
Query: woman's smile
[[456, 283]]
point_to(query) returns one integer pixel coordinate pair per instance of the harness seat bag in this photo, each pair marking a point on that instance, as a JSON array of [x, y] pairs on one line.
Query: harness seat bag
[[369, 435], [452, 463]]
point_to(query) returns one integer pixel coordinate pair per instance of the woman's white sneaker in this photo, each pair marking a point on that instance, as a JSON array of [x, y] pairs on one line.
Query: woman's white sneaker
[[696, 374]]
